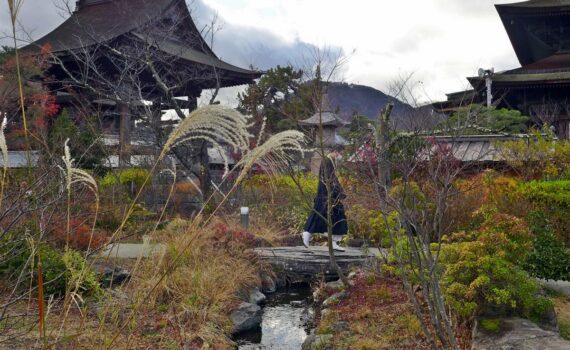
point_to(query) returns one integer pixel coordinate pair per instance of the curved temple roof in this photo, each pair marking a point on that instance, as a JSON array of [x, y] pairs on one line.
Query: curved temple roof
[[100, 21], [324, 118], [537, 3], [537, 29]]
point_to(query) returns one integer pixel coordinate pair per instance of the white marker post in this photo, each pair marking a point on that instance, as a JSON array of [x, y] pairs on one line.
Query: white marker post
[[244, 217]]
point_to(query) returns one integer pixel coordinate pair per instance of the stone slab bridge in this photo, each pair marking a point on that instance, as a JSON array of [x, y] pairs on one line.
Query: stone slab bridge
[[300, 264]]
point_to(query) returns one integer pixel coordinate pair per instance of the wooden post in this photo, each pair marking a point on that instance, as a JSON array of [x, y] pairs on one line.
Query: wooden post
[[382, 145], [124, 135], [205, 177], [156, 124]]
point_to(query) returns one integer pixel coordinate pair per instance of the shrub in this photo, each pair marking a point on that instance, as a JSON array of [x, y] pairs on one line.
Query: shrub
[[481, 271], [549, 259], [491, 325], [358, 219], [133, 175], [565, 330], [540, 157], [483, 192], [59, 269], [81, 235], [385, 228], [280, 198], [108, 180], [82, 140], [223, 234], [78, 275], [555, 193], [552, 198]]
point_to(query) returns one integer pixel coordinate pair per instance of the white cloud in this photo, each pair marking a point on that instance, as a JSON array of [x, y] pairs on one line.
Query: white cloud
[[442, 41]]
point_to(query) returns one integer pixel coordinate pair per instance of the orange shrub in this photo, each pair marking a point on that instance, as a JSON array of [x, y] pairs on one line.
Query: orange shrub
[[81, 235]]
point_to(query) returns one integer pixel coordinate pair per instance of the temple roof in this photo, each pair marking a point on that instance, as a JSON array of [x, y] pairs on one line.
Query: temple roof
[[180, 50], [102, 21], [537, 29], [551, 70], [535, 4], [324, 118]]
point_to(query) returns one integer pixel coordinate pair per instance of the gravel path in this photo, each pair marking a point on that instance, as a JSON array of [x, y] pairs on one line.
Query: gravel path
[[131, 250]]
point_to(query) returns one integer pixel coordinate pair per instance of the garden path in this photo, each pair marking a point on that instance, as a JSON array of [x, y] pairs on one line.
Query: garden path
[[560, 287], [130, 250]]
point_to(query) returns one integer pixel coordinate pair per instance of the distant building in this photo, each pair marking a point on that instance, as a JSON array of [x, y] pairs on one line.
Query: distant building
[[539, 31], [330, 123], [477, 150]]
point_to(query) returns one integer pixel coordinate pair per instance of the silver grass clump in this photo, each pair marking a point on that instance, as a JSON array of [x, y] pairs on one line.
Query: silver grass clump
[[212, 123], [3, 144], [76, 175], [273, 154]]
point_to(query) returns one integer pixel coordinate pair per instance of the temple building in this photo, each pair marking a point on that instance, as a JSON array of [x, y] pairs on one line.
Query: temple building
[[330, 123], [539, 31], [130, 60]]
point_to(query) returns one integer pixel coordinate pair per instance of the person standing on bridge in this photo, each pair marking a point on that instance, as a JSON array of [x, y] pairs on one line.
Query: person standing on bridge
[[317, 221]]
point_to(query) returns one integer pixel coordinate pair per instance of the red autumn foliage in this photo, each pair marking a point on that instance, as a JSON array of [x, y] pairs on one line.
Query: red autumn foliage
[[43, 107], [224, 234], [442, 155], [39, 104], [80, 235]]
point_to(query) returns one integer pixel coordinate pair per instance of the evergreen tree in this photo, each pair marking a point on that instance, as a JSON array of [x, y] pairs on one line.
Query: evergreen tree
[[281, 96], [477, 119]]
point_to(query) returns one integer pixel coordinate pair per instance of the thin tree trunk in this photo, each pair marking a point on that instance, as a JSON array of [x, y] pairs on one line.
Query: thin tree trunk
[[383, 142]]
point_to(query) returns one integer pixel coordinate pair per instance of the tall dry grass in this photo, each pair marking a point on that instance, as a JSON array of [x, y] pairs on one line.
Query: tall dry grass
[[205, 284]]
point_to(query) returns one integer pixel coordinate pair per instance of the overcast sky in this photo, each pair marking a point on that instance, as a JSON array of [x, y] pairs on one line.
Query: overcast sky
[[440, 41]]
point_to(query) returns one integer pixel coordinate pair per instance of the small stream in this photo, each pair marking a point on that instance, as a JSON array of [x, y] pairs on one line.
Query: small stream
[[287, 321]]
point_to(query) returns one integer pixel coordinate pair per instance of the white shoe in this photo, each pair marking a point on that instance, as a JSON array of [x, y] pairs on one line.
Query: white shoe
[[306, 238], [337, 247]]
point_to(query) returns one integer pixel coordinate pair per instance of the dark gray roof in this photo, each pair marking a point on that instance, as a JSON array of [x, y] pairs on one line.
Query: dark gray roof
[[177, 49], [537, 3], [473, 148], [324, 118], [100, 21]]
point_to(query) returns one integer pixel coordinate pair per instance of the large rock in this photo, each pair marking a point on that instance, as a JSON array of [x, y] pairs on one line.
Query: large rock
[[111, 275], [517, 334], [335, 285], [268, 284], [334, 299], [256, 297], [320, 342], [246, 317]]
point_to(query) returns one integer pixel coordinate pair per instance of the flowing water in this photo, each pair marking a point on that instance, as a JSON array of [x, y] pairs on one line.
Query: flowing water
[[287, 321]]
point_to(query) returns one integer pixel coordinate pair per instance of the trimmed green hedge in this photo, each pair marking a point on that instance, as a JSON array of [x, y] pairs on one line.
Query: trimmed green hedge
[[548, 192]]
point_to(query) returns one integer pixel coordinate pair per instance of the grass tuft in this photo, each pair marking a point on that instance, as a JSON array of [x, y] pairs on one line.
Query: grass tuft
[[491, 325]]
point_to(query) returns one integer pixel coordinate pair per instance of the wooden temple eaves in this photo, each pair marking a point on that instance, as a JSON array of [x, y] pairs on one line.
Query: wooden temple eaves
[[105, 22]]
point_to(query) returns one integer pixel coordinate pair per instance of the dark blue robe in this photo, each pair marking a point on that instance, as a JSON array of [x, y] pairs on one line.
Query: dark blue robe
[[316, 223]]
